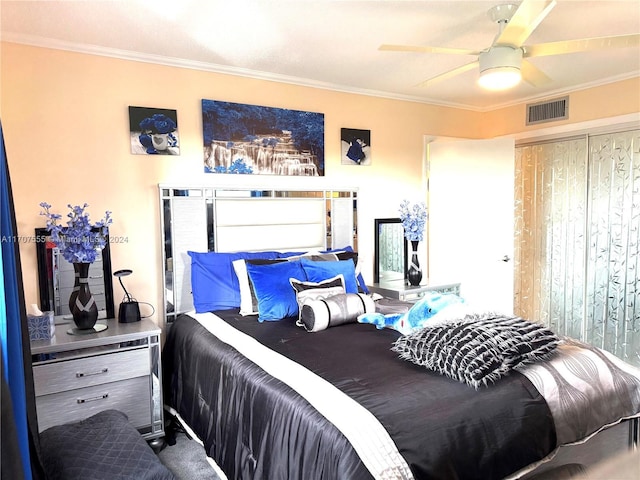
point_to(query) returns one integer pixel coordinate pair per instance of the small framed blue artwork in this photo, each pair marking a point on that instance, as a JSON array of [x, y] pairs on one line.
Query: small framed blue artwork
[[251, 139], [355, 146], [153, 131]]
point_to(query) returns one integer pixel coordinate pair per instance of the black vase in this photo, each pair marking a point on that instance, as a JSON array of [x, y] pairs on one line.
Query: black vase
[[81, 302], [414, 273]]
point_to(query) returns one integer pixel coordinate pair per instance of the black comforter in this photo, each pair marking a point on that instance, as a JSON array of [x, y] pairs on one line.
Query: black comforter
[[255, 426]]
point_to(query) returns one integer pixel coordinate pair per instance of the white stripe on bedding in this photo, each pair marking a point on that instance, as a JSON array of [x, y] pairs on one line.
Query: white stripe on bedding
[[368, 437]]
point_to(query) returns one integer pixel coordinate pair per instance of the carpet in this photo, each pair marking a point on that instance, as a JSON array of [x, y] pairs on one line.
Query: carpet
[[187, 460]]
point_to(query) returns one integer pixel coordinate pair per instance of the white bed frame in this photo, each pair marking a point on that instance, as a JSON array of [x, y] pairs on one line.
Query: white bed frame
[[227, 219]]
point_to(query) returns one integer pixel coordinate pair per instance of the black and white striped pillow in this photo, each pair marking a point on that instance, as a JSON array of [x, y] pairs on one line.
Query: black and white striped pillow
[[478, 349], [320, 314], [307, 291]]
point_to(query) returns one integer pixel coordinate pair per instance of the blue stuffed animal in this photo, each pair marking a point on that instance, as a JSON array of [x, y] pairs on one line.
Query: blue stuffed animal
[[416, 317]]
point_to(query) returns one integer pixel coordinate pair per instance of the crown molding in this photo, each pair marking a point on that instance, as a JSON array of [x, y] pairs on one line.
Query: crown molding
[[42, 42]]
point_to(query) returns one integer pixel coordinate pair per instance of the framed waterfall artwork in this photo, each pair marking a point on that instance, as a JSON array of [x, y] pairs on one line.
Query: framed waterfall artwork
[[255, 140], [355, 146], [153, 131]]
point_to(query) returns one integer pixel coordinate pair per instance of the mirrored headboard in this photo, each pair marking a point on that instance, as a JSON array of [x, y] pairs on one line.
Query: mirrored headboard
[[231, 219]]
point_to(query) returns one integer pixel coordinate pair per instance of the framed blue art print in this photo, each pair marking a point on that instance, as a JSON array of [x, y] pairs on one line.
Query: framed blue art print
[[250, 139]]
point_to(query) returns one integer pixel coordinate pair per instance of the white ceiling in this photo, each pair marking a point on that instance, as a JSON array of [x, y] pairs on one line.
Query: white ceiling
[[329, 43]]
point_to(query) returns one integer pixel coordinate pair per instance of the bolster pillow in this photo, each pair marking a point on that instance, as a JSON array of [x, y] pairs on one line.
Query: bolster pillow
[[335, 310]]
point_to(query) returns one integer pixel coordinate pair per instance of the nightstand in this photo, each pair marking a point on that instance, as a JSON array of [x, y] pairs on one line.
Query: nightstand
[[76, 376], [400, 290]]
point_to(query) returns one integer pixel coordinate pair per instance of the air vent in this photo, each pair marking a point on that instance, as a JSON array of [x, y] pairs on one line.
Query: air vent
[[548, 111]]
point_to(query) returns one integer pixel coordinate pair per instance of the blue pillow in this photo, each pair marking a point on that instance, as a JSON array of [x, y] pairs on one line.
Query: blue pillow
[[214, 284], [348, 253], [276, 297], [340, 254], [319, 271]]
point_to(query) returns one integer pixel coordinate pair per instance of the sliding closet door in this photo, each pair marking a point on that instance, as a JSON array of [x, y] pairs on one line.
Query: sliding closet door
[[613, 229], [577, 235], [550, 247]]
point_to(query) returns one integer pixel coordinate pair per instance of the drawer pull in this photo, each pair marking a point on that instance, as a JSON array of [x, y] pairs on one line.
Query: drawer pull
[[92, 399], [88, 374]]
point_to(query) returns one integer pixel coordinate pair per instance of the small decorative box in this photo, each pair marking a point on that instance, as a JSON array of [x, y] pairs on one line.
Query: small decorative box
[[41, 327]]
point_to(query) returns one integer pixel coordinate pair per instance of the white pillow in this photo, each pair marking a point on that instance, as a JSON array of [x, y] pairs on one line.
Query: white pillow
[[247, 306], [248, 299]]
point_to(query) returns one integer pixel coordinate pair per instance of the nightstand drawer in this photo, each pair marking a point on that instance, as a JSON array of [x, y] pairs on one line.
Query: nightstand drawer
[[84, 372], [130, 396]]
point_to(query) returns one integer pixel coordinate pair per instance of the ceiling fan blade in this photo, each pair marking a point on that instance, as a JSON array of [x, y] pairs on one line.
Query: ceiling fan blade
[[451, 73], [524, 21], [533, 75], [581, 45], [423, 49]]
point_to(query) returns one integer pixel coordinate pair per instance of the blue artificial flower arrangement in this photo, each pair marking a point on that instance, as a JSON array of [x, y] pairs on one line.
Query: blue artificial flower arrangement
[[79, 241], [155, 125], [414, 219]]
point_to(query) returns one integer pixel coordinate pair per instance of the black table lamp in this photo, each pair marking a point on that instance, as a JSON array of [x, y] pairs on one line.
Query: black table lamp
[[129, 310]]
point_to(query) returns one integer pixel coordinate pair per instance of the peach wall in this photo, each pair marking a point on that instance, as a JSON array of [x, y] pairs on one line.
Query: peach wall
[[65, 121], [606, 101]]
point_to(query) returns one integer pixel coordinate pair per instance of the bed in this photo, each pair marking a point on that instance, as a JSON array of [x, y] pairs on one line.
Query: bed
[[255, 424], [271, 399]]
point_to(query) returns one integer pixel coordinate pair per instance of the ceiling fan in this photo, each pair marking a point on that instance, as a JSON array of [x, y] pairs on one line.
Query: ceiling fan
[[504, 63]]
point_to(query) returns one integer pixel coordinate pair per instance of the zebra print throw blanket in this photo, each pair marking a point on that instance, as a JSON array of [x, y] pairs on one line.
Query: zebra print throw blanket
[[477, 349]]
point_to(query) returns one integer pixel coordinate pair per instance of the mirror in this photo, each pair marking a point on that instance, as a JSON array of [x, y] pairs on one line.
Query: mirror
[[56, 278], [390, 256]]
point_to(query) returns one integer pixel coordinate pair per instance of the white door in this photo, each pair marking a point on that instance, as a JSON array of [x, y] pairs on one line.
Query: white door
[[471, 219]]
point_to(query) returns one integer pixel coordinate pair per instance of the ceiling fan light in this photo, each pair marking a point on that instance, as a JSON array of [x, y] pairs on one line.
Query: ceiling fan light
[[500, 67], [500, 78]]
